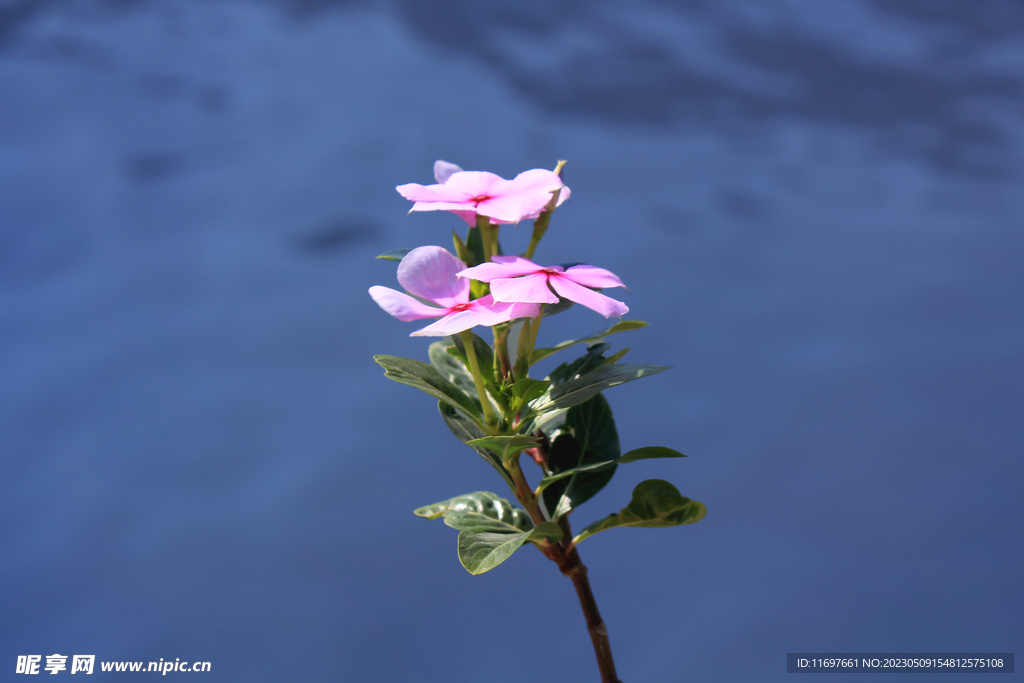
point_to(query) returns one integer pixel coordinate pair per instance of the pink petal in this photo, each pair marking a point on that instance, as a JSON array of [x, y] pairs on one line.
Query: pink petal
[[415, 192], [524, 311], [473, 183], [525, 196], [502, 267], [604, 305], [453, 323], [432, 273], [468, 216], [527, 289], [493, 312], [403, 306], [444, 170], [562, 196], [538, 180], [590, 276]]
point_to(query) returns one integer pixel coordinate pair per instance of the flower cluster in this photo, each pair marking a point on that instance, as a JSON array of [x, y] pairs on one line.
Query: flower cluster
[[487, 398], [441, 285]]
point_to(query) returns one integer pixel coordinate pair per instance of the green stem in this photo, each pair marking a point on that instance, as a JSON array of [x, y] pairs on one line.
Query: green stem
[[540, 226], [474, 367], [535, 328], [483, 224], [523, 351], [501, 348], [523, 491]]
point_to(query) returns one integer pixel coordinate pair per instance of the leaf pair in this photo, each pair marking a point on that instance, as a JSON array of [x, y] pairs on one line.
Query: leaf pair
[[491, 528]]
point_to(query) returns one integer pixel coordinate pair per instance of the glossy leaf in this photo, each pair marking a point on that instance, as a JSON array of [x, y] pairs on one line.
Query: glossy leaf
[[633, 455], [507, 446], [525, 390], [621, 326], [425, 378], [594, 357], [484, 355], [394, 254], [589, 438], [581, 389], [655, 503], [481, 552], [466, 430], [450, 367], [477, 512]]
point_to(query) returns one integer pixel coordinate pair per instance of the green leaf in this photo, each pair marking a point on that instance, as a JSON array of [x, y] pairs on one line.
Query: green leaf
[[525, 390], [466, 430], [621, 326], [425, 378], [555, 309], [508, 446], [594, 357], [484, 355], [451, 368], [589, 438], [633, 455], [394, 254], [460, 248], [475, 247], [655, 503], [585, 387], [485, 358], [479, 512], [481, 552]]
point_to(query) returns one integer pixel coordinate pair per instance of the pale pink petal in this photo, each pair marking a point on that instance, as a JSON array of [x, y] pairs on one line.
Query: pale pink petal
[[562, 196], [525, 196], [606, 306], [468, 216], [432, 273], [491, 312], [502, 267], [514, 208], [453, 323], [403, 306], [538, 180], [524, 311], [415, 192], [531, 289], [473, 183], [590, 276], [444, 170]]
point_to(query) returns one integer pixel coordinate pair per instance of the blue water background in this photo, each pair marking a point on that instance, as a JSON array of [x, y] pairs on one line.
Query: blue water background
[[816, 206]]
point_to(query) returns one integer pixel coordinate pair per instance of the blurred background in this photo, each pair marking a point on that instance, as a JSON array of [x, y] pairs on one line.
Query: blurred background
[[816, 206]]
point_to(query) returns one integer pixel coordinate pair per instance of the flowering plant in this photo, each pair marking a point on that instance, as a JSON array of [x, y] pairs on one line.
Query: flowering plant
[[487, 397]]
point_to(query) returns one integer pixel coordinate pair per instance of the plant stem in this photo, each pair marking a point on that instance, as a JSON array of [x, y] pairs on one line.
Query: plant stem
[[535, 329], [483, 224], [501, 349], [523, 492], [571, 566], [474, 367]]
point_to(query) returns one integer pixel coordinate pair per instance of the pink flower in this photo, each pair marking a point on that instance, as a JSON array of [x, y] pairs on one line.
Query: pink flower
[[431, 273], [514, 278], [472, 193]]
